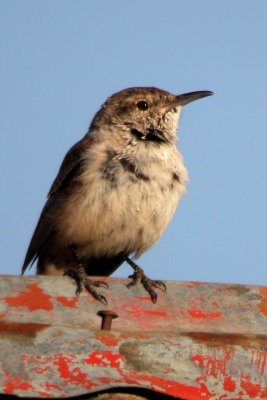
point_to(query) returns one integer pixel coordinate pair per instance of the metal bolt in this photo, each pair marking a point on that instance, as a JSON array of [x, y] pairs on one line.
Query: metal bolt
[[107, 317]]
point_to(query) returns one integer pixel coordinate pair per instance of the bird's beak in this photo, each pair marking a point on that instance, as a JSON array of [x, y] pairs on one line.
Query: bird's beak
[[186, 98], [183, 99]]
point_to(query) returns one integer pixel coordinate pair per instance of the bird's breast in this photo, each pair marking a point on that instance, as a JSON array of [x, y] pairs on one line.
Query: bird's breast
[[124, 206]]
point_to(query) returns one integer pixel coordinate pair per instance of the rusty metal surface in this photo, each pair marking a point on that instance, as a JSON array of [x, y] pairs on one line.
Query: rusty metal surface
[[200, 341]]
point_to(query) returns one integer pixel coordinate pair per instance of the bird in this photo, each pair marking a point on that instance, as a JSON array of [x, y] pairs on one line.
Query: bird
[[116, 191]]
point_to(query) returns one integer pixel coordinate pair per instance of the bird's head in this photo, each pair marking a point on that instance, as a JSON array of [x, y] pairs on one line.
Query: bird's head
[[147, 113]]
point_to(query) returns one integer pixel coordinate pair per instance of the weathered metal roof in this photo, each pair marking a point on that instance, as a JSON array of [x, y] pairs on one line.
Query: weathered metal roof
[[199, 341]]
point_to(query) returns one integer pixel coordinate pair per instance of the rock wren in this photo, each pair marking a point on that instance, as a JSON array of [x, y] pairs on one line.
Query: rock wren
[[116, 191]]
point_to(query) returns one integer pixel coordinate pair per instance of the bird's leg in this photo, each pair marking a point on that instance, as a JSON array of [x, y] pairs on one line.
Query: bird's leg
[[148, 284], [81, 278]]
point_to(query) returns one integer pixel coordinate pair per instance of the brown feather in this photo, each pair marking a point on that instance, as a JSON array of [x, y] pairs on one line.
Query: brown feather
[[45, 230]]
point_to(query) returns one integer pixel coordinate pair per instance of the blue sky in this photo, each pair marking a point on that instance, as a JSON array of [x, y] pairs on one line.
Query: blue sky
[[61, 59]]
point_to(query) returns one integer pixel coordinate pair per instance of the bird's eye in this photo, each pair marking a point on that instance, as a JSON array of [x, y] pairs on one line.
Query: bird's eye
[[142, 105]]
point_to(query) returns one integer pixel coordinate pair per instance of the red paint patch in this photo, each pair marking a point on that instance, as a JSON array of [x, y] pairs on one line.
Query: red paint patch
[[213, 364], [259, 360], [15, 384], [71, 303], [40, 370], [263, 303], [229, 384], [198, 313], [105, 381], [156, 313], [169, 387], [52, 387], [71, 375], [104, 359], [147, 299], [3, 315], [133, 311], [194, 284], [254, 391], [108, 340], [34, 299]]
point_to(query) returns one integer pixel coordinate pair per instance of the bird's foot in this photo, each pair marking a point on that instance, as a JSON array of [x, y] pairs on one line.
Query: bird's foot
[[83, 281], [148, 284]]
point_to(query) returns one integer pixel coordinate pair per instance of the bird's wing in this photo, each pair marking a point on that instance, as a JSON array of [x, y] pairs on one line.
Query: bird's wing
[[45, 229], [70, 165]]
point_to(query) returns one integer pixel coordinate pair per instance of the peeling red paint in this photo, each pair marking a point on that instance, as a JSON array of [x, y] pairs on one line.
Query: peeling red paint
[[198, 313], [134, 311], [200, 341], [229, 384], [52, 387], [3, 314], [106, 381], [156, 313], [172, 388], [216, 364], [34, 299], [191, 285], [213, 364], [104, 359], [254, 391], [71, 303], [45, 394], [32, 359], [15, 383], [259, 360], [41, 371], [147, 298], [108, 339], [263, 302], [71, 376]]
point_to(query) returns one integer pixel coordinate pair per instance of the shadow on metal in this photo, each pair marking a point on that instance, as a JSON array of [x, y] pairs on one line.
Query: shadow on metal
[[111, 394]]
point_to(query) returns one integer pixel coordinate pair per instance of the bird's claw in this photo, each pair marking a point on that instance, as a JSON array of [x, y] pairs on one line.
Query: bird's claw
[[148, 284], [160, 285], [88, 284], [102, 299], [101, 284]]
